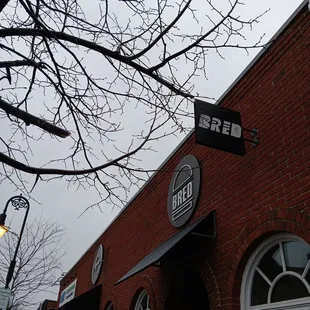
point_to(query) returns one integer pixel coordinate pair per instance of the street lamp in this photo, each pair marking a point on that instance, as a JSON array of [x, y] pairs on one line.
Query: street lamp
[[18, 202]]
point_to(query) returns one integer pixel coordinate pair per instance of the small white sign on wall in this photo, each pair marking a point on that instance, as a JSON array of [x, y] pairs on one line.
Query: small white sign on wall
[[68, 293], [97, 265]]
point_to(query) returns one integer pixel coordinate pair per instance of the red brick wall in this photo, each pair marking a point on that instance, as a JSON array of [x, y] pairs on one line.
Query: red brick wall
[[48, 304], [266, 190], [51, 304]]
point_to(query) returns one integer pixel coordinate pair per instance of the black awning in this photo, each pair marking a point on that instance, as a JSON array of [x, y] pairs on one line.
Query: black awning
[[167, 245], [89, 300]]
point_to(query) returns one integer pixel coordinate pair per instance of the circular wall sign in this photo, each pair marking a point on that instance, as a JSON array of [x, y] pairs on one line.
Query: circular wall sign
[[183, 191], [97, 264]]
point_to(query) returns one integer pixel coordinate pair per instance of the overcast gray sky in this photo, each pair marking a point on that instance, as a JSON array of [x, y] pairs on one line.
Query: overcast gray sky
[[64, 205]]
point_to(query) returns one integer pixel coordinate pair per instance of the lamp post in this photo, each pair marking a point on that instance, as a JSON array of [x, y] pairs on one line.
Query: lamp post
[[18, 202]]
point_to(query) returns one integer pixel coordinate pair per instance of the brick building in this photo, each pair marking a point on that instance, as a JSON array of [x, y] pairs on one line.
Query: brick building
[[244, 244], [48, 305]]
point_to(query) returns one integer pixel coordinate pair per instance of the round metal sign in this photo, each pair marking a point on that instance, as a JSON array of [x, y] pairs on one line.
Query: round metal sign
[[184, 191], [97, 264]]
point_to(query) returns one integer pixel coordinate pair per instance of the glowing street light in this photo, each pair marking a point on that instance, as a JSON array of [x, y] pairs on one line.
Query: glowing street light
[[3, 228]]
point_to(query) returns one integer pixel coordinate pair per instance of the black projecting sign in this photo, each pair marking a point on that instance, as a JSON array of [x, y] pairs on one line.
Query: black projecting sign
[[183, 191], [219, 128]]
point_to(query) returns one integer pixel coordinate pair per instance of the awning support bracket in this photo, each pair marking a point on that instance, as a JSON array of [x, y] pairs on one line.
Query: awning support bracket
[[203, 235], [156, 264], [208, 236]]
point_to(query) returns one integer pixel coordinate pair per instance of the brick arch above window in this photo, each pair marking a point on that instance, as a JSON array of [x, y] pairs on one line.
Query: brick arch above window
[[279, 220], [111, 300], [109, 306], [143, 284]]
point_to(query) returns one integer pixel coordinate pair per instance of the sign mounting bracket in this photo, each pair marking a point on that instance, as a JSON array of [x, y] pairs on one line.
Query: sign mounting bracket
[[253, 132]]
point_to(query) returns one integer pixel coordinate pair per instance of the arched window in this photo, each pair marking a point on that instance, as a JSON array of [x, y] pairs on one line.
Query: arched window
[[277, 275], [143, 301], [109, 306]]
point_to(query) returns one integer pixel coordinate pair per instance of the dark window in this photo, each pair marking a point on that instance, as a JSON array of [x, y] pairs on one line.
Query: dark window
[[288, 287], [271, 264], [259, 290]]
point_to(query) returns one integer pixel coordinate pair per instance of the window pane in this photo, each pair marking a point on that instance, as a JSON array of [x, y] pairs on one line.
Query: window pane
[[307, 277], [296, 255], [271, 264], [144, 301], [260, 290], [288, 287]]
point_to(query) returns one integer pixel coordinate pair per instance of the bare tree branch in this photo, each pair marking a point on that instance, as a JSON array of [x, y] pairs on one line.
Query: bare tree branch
[[33, 120], [122, 75], [18, 63], [38, 261], [100, 49]]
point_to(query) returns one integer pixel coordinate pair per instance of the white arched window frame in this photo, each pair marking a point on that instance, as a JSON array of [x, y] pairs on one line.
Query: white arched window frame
[[143, 301], [252, 268], [110, 306]]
